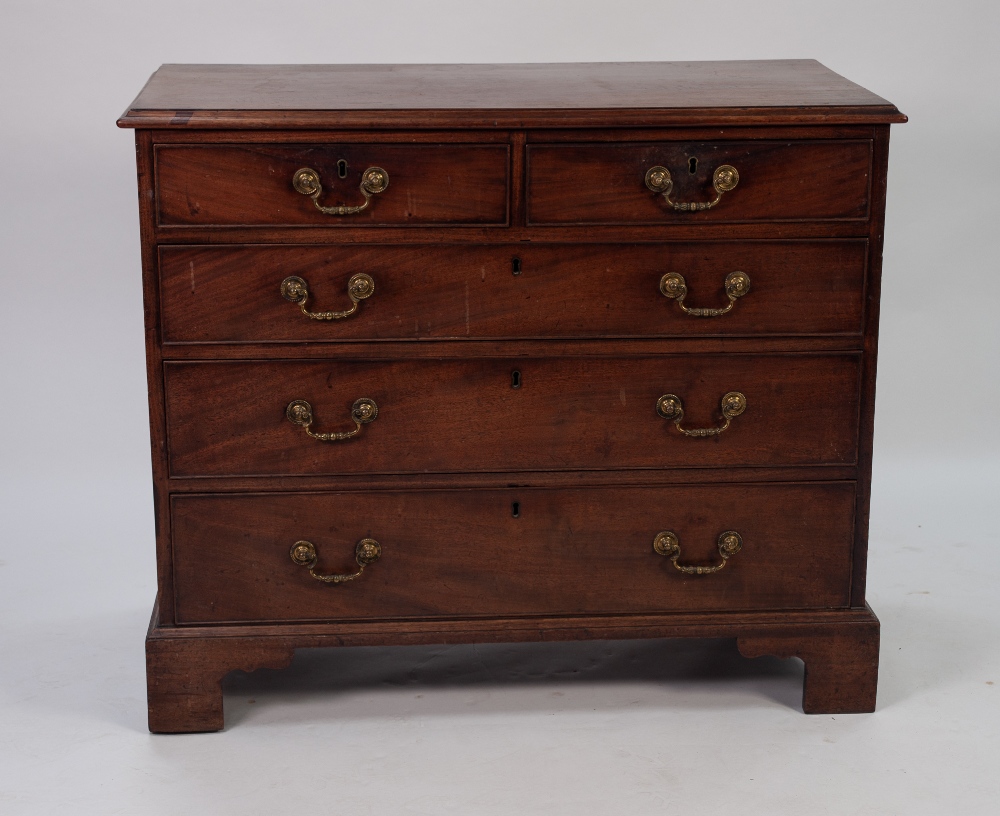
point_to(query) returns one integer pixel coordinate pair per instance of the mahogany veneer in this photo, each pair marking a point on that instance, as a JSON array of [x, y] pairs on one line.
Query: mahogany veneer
[[579, 413], [780, 181], [226, 294], [465, 554], [518, 481], [431, 184]]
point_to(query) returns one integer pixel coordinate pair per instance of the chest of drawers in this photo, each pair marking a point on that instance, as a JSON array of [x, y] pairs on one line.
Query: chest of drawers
[[506, 353]]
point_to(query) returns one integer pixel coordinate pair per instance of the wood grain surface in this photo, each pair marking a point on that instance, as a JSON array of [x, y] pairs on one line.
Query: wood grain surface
[[512, 552], [779, 181], [214, 294], [252, 184], [841, 674], [185, 665], [516, 344], [467, 416], [485, 95]]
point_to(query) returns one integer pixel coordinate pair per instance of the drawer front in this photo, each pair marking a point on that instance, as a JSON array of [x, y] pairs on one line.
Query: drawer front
[[234, 294], [496, 415], [778, 181], [252, 185], [470, 553]]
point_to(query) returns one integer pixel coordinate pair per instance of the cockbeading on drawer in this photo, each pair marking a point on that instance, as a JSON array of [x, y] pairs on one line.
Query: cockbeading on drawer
[[354, 185], [472, 554], [254, 294]]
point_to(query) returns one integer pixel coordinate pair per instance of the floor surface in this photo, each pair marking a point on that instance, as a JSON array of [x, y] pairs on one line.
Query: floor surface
[[636, 728]]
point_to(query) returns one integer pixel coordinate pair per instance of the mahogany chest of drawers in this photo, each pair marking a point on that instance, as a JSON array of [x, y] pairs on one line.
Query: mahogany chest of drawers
[[509, 352]]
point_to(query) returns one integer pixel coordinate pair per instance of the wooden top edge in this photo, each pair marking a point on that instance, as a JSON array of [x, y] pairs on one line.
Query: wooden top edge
[[486, 119], [511, 95]]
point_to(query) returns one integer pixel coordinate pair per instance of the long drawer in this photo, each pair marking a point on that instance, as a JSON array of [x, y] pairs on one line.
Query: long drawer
[[496, 415], [286, 185], [620, 183], [480, 553], [241, 294]]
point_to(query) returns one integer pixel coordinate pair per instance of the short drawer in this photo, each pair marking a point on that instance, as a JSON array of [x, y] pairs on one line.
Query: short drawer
[[261, 184], [510, 552], [501, 415], [777, 181], [241, 294]]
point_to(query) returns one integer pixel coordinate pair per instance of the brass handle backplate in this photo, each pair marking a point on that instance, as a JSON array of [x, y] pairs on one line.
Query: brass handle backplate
[[736, 285], [669, 406], [368, 551], [364, 410], [373, 181], [724, 179], [667, 544], [359, 287]]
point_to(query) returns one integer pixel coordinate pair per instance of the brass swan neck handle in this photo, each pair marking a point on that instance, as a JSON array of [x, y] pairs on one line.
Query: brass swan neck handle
[[667, 544], [736, 285], [364, 410], [368, 551], [724, 179], [359, 287], [373, 181], [669, 406]]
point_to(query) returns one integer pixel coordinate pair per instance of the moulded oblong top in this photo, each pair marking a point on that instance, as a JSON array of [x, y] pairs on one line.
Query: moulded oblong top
[[505, 95]]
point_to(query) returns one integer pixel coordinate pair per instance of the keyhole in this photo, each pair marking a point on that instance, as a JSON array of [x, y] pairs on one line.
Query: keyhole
[[515, 509], [515, 266], [692, 165], [342, 168], [515, 379]]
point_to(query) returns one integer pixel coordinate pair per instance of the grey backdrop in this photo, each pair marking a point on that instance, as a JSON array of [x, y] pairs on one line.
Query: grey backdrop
[[76, 552]]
